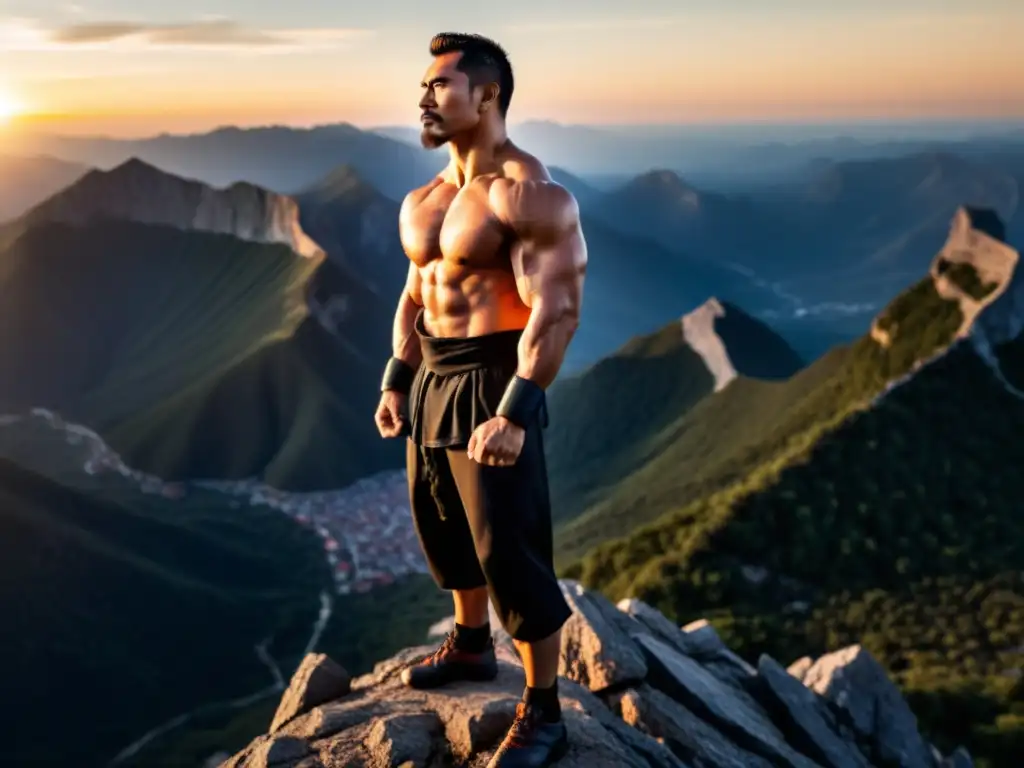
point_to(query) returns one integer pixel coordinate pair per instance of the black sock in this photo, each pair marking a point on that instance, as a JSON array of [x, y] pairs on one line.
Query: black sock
[[546, 700], [472, 639]]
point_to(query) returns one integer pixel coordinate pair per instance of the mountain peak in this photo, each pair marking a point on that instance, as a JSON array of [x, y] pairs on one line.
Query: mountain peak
[[984, 220], [639, 691], [732, 343], [981, 272], [699, 332], [662, 178], [663, 187], [975, 285], [135, 165], [341, 182], [141, 192]]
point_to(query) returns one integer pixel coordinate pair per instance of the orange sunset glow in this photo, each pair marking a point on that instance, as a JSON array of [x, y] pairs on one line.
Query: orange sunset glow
[[661, 64]]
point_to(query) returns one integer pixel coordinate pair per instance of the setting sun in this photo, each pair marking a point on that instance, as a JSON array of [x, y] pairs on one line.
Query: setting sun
[[10, 106]]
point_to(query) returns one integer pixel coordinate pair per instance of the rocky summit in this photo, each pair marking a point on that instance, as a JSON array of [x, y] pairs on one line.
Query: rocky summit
[[636, 691]]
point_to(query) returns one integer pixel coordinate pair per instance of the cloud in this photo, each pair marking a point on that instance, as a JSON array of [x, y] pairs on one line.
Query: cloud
[[206, 34]]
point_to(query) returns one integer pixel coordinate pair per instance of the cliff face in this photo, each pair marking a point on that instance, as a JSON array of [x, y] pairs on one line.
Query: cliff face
[[137, 191], [636, 691], [732, 343]]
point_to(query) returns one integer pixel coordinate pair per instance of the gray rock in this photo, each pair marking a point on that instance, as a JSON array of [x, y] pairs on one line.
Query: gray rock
[[698, 640], [701, 635], [397, 739], [384, 723], [272, 752], [651, 750], [686, 681], [596, 652], [959, 759], [807, 718], [689, 737], [654, 622], [637, 701], [859, 686], [704, 640], [317, 680]]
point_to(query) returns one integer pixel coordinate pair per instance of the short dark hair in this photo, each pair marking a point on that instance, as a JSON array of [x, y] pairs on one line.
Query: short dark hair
[[483, 61]]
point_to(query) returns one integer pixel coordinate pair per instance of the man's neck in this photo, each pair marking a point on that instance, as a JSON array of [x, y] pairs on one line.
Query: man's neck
[[476, 153]]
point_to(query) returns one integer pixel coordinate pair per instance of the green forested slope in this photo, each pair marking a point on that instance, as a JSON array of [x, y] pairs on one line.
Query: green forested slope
[[804, 515]]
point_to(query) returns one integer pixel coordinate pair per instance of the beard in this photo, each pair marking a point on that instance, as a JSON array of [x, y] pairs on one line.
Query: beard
[[433, 136]]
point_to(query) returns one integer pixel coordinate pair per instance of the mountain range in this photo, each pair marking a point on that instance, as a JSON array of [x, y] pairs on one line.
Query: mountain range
[[872, 495], [816, 253], [280, 158], [186, 316], [715, 457], [25, 181]]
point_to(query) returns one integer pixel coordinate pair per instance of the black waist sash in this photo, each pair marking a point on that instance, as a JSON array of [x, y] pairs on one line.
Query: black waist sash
[[459, 385]]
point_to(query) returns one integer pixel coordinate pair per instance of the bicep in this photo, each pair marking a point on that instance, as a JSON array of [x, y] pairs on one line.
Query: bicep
[[550, 271]]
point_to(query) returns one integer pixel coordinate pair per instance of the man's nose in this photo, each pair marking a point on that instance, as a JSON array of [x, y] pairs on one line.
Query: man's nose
[[427, 100]]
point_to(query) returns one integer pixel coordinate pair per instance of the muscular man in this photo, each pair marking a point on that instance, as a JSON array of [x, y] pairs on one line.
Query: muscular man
[[492, 300]]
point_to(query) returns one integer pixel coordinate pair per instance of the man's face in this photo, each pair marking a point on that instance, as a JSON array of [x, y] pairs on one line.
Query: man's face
[[449, 106]]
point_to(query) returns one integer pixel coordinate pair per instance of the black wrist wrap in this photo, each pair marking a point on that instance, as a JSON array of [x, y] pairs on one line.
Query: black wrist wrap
[[398, 376], [522, 401]]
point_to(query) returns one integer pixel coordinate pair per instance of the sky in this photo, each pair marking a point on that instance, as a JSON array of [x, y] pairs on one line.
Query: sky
[[139, 67]]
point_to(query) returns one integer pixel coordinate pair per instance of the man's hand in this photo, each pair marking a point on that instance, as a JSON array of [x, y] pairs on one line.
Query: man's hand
[[497, 442], [390, 416]]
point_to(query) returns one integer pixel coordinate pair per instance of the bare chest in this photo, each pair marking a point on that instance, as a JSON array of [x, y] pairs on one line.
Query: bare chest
[[457, 227]]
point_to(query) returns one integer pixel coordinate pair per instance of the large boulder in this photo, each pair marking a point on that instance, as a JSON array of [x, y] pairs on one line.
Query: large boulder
[[636, 691], [318, 679]]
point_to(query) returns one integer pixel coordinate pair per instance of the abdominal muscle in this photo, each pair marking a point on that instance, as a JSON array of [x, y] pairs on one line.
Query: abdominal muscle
[[463, 302]]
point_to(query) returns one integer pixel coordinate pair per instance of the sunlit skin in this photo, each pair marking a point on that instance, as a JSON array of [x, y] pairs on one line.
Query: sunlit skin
[[493, 245]]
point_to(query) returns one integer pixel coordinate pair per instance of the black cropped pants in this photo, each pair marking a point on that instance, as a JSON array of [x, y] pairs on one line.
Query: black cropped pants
[[481, 526]]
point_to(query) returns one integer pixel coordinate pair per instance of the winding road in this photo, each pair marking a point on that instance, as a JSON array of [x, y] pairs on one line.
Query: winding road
[[324, 615]]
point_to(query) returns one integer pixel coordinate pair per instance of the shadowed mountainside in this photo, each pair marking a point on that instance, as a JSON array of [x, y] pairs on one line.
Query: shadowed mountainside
[[885, 476], [606, 420]]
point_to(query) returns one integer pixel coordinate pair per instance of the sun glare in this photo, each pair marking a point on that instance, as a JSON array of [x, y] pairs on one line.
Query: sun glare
[[10, 107]]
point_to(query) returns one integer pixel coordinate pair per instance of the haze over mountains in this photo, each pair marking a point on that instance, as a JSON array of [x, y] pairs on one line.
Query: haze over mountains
[[25, 181], [712, 449], [815, 250]]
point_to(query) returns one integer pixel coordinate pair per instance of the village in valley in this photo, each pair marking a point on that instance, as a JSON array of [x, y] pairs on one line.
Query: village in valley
[[366, 528]]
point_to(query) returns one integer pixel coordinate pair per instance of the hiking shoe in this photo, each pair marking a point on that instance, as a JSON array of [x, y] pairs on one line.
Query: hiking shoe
[[449, 664], [531, 742]]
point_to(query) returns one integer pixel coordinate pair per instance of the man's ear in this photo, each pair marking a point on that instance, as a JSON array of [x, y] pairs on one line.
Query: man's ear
[[489, 97]]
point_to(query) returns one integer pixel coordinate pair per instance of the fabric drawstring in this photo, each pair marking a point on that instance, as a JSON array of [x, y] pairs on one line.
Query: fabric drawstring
[[433, 478]]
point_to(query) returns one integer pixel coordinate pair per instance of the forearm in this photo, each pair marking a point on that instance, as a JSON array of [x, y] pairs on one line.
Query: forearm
[[545, 340], [405, 343]]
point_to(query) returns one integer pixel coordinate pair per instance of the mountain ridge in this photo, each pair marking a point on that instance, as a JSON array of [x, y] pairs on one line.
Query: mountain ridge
[[870, 472], [605, 417], [139, 191], [126, 346], [280, 158]]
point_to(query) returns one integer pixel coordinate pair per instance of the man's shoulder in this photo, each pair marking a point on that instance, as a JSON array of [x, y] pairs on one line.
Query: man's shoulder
[[415, 196], [522, 166], [533, 201]]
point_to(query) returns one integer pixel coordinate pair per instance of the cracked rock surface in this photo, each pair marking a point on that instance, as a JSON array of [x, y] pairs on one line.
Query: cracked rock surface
[[636, 692]]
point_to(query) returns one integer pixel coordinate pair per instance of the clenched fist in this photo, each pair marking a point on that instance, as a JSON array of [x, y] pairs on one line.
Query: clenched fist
[[390, 416], [497, 442]]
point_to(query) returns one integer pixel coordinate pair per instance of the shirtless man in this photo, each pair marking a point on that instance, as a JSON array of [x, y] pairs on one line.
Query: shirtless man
[[492, 300]]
